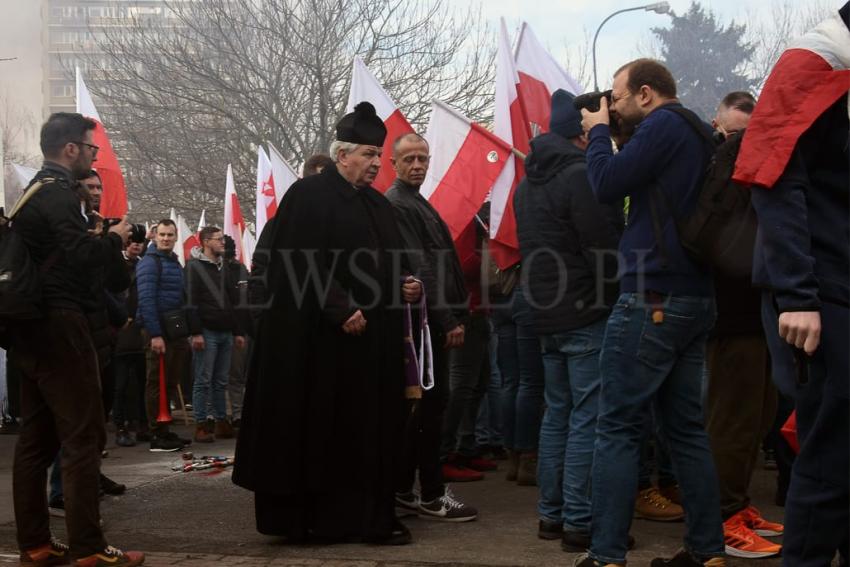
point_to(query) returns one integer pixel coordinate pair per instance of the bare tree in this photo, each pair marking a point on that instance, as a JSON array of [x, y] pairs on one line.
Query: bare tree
[[578, 62], [15, 122], [204, 84]]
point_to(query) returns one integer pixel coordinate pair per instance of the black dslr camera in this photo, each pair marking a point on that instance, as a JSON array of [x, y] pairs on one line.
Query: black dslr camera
[[138, 232], [591, 101]]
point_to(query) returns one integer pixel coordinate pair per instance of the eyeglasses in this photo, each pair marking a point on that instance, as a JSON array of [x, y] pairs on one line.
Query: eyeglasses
[[93, 148]]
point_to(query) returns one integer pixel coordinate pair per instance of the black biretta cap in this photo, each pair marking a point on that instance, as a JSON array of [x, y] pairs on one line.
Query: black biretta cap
[[363, 126]]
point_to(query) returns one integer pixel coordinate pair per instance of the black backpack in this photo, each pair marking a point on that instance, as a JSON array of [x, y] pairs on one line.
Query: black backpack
[[20, 277], [721, 231]]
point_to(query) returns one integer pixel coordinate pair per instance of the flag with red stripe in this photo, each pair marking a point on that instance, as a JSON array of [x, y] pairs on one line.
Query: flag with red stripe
[[234, 222], [466, 160], [365, 87], [113, 203]]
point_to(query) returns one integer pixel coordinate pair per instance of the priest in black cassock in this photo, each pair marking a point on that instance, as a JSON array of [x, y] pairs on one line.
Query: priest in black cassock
[[325, 393]]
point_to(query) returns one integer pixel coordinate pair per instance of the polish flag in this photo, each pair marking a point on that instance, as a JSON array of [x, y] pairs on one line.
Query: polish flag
[[539, 76], [466, 160], [266, 195], [365, 87], [234, 222], [511, 125], [113, 204], [284, 175], [186, 240]]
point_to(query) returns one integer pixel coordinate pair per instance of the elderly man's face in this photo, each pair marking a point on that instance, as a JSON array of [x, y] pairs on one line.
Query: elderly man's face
[[361, 166], [730, 121], [411, 161]]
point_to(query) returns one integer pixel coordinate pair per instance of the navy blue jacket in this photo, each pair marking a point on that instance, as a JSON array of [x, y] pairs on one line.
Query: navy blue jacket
[[158, 293], [664, 150], [802, 252]]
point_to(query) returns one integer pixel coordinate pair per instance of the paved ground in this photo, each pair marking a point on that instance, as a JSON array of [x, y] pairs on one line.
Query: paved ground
[[198, 520]]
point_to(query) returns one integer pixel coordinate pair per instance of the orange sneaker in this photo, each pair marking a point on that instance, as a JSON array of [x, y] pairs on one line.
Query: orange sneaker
[[755, 521], [741, 541], [112, 557], [51, 553]]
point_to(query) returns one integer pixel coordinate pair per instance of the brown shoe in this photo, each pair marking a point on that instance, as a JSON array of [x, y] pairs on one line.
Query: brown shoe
[[652, 505], [527, 471], [513, 466], [51, 553], [671, 493], [223, 429], [202, 435]]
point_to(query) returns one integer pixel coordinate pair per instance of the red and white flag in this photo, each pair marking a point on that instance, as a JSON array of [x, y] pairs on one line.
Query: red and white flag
[[511, 125], [466, 160], [234, 222], [266, 195], [811, 76], [539, 76], [186, 240], [249, 244], [113, 204], [365, 87], [284, 175]]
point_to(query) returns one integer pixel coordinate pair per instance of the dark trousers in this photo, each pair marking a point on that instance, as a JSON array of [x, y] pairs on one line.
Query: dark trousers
[[740, 409], [177, 357], [423, 431], [469, 374], [817, 511], [130, 377], [60, 405], [13, 387]]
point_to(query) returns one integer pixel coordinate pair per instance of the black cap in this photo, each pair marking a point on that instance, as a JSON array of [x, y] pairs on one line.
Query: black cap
[[565, 119], [362, 127]]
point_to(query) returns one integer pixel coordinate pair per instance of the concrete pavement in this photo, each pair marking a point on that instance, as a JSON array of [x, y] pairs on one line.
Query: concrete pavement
[[199, 519]]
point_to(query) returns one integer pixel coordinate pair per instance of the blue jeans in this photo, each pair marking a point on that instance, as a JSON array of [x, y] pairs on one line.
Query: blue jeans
[[488, 426], [521, 366], [565, 456], [212, 372], [640, 361], [655, 454]]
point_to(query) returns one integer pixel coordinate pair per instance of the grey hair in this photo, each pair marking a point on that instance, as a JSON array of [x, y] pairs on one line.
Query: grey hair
[[346, 147]]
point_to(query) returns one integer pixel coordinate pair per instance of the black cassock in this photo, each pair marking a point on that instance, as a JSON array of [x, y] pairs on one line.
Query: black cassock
[[324, 410]]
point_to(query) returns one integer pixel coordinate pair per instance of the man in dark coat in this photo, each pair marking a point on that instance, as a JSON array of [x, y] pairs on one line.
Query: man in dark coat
[[326, 383]]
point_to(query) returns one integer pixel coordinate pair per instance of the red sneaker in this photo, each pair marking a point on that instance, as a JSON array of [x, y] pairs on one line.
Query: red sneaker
[[51, 553], [481, 464], [754, 520], [453, 472], [112, 557], [741, 541]]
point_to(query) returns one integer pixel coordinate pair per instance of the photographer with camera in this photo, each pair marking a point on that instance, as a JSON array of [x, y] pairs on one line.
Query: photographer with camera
[[60, 391], [161, 313], [655, 338]]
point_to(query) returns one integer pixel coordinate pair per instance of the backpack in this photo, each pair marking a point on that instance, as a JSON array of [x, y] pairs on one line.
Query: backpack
[[20, 277], [721, 231]]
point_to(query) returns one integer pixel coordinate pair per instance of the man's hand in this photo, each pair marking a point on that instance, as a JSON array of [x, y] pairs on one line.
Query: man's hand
[[454, 338], [198, 342], [356, 324], [411, 290], [801, 329], [239, 341], [591, 119], [158, 345], [122, 229]]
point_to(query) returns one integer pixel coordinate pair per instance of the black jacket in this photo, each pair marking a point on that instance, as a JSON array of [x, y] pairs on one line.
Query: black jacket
[[211, 295], [55, 230], [565, 236], [432, 254]]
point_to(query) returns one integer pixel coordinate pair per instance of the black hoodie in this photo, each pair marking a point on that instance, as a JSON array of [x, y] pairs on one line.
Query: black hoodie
[[568, 241]]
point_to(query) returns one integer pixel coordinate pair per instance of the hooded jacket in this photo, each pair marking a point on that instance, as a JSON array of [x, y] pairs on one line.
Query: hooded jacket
[[568, 241], [211, 294]]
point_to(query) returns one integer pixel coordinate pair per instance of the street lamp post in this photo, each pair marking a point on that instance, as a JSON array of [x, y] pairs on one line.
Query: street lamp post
[[658, 8]]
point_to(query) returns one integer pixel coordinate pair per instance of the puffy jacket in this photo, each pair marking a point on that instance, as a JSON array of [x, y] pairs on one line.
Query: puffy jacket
[[158, 292], [561, 228], [211, 294]]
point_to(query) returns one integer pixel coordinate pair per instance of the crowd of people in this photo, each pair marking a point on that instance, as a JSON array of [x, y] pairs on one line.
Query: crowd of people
[[610, 367]]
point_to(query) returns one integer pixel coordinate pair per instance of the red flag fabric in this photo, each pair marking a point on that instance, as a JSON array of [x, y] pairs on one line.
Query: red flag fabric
[[808, 79], [365, 87], [266, 201], [234, 222], [789, 432], [113, 203], [466, 160]]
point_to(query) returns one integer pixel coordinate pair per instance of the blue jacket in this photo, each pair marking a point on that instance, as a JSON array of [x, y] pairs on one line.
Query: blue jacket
[[158, 293], [664, 150]]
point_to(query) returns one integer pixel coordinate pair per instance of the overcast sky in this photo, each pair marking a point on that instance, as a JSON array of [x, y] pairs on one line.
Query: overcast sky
[[559, 22]]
